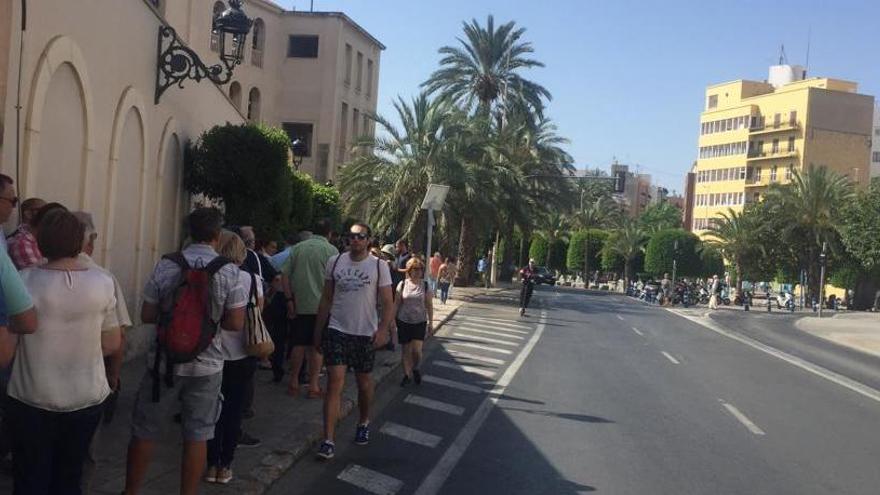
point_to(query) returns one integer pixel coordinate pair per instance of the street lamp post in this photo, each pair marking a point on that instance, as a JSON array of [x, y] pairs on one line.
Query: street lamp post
[[822, 262], [177, 62], [435, 196], [300, 150]]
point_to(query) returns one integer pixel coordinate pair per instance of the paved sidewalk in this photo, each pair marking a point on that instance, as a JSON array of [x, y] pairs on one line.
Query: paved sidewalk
[[288, 427], [853, 329], [860, 331]]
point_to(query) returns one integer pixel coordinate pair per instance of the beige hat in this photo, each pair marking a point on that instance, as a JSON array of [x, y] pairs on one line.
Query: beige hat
[[388, 249]]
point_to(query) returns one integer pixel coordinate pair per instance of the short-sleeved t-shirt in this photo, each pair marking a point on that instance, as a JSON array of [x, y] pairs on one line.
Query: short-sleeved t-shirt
[[60, 367], [234, 342], [355, 293], [16, 295], [226, 293], [305, 268]]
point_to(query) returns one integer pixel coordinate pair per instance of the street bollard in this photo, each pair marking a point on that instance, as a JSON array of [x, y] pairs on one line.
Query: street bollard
[[746, 301], [769, 306]]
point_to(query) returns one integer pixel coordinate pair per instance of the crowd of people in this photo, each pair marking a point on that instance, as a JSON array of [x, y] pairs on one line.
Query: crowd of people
[[327, 301]]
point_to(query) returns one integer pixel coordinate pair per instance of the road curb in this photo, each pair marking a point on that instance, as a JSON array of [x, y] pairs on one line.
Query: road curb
[[277, 463]]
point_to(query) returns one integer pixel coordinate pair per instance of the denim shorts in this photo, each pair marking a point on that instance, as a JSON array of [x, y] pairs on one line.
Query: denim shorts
[[198, 399]]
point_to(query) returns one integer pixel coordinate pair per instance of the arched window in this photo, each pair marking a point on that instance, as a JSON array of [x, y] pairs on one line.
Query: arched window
[[259, 36], [253, 109], [235, 94], [215, 38]]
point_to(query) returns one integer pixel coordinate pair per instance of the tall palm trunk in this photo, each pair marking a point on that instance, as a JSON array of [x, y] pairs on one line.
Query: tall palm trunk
[[466, 246], [508, 253]]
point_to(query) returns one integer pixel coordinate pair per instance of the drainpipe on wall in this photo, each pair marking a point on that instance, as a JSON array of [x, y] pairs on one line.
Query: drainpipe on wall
[[18, 104]]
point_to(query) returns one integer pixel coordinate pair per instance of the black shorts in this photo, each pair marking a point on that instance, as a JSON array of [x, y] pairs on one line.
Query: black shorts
[[302, 330], [407, 332], [349, 350]]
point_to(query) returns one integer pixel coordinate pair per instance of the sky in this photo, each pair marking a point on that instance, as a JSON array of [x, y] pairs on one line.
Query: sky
[[628, 78]]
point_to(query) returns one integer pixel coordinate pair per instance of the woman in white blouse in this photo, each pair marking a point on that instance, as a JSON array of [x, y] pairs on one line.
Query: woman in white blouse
[[58, 383]]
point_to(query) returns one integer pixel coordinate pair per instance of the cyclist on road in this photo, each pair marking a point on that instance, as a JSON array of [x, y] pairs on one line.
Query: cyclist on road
[[527, 276]]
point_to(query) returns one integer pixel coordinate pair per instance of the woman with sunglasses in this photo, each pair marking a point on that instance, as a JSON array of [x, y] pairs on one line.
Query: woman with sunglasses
[[414, 313]]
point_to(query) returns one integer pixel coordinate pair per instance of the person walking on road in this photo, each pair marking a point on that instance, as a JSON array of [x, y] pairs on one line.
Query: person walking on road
[[355, 283], [414, 313], [302, 277], [436, 261], [714, 292], [445, 277]]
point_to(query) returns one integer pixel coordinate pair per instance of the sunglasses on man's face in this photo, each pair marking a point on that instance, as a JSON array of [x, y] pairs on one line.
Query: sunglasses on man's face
[[357, 235]]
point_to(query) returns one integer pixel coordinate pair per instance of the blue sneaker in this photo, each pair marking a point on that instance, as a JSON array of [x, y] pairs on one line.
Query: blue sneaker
[[362, 435], [326, 451]]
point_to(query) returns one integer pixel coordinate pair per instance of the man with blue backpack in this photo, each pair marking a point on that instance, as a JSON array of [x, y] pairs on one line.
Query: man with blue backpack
[[188, 296]]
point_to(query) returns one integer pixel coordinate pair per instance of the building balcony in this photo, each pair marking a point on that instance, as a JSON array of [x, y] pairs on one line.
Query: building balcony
[[771, 155], [769, 129]]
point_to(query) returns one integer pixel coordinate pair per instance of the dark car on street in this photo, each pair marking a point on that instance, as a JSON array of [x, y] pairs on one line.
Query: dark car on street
[[544, 276]]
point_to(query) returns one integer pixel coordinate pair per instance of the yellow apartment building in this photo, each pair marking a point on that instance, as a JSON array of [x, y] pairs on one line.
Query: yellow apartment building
[[754, 133]]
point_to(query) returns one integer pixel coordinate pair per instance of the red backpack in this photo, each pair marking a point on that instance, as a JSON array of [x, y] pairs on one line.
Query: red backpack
[[186, 329]]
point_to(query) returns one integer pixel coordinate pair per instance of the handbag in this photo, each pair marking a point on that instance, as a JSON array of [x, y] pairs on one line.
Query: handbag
[[258, 342]]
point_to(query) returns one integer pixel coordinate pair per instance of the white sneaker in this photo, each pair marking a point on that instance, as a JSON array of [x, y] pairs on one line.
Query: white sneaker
[[224, 475]]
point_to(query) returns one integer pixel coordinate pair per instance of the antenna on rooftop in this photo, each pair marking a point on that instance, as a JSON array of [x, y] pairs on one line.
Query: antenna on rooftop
[[783, 60], [807, 61]]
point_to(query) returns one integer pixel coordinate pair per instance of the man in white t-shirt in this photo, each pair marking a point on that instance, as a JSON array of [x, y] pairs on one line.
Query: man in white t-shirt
[[355, 284], [196, 384]]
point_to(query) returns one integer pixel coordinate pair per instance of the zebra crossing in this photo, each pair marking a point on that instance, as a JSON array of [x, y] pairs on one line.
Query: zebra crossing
[[459, 384]]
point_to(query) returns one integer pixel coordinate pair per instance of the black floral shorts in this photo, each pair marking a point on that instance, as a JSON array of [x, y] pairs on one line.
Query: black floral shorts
[[355, 351]]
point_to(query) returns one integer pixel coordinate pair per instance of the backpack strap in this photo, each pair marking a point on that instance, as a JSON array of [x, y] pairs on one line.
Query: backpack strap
[[332, 270], [178, 259], [216, 264]]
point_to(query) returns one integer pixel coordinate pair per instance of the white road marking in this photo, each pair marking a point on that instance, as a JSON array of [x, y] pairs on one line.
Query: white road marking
[[408, 434], [480, 338], [418, 400], [815, 369], [474, 357], [463, 367], [452, 384], [638, 332], [496, 321], [619, 317], [742, 418], [471, 324], [670, 357], [369, 480], [432, 483], [491, 332], [479, 346]]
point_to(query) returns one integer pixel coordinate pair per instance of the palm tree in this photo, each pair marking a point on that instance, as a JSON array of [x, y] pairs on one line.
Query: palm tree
[[734, 234], [484, 71], [390, 180], [811, 204], [627, 242]]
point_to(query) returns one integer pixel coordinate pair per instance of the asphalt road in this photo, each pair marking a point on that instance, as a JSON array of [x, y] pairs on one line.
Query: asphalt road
[[603, 394]]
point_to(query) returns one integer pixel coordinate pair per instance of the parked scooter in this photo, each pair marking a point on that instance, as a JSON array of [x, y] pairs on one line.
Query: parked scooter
[[785, 300]]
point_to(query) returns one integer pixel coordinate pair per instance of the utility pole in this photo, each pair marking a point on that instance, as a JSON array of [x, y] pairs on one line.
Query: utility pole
[[674, 260], [822, 262]]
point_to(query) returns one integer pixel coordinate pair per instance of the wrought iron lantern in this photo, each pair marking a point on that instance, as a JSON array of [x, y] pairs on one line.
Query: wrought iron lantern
[[177, 62], [300, 150]]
